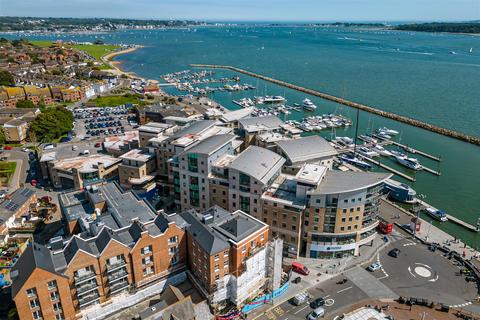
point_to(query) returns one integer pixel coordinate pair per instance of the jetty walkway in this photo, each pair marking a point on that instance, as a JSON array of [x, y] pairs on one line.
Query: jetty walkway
[[363, 107]]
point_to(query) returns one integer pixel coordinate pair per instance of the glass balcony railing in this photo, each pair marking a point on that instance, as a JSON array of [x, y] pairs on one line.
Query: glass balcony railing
[[115, 266], [82, 289], [89, 299], [118, 287], [84, 277], [118, 275]]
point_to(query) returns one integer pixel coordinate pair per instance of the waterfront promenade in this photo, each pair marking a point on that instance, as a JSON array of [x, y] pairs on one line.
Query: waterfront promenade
[[363, 107]]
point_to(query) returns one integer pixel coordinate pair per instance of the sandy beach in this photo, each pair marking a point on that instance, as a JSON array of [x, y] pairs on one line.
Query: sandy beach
[[115, 65]]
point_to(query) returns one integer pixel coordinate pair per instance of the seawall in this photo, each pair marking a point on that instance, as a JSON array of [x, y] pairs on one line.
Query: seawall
[[386, 114]]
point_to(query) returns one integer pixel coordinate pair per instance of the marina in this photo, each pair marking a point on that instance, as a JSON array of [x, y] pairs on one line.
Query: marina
[[413, 122]]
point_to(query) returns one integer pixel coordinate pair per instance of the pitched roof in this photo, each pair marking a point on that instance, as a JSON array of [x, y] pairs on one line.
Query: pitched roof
[[259, 163], [306, 148], [34, 256], [210, 240], [254, 124], [211, 144], [14, 202], [194, 128], [336, 181], [237, 114]]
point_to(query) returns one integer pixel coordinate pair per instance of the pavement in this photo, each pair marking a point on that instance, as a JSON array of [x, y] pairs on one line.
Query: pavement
[[21, 171]]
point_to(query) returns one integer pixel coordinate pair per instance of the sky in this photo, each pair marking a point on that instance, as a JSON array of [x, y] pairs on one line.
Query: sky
[[251, 10]]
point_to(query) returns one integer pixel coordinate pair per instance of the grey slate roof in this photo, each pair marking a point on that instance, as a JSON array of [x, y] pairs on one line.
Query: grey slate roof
[[254, 124], [17, 199], [306, 149], [259, 163], [211, 144], [336, 181], [210, 240], [34, 256], [195, 128], [239, 227]]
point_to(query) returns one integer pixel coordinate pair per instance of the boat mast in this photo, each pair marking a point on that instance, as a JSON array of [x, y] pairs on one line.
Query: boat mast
[[356, 134]]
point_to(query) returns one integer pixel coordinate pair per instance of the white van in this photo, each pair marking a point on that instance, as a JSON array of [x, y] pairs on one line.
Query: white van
[[301, 298], [315, 314]]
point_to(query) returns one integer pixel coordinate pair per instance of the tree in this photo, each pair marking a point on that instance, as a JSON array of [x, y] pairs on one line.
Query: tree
[[52, 124], [6, 78], [3, 139], [25, 104]]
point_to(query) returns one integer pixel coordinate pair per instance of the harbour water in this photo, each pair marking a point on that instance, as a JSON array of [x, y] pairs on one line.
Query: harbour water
[[412, 74]]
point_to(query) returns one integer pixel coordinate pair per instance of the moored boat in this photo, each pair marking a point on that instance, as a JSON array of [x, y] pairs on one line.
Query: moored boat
[[436, 214]]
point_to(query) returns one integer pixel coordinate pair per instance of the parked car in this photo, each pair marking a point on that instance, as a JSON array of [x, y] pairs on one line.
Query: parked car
[[25, 149], [98, 145], [394, 252], [317, 303], [315, 314], [48, 146], [374, 267], [300, 298], [7, 148], [74, 148]]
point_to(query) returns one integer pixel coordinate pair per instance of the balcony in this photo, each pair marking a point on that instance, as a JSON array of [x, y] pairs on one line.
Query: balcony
[[84, 277], [114, 277], [115, 266], [89, 299], [82, 289], [118, 287]]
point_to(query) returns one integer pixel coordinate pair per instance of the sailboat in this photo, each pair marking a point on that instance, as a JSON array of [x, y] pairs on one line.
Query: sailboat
[[471, 50]]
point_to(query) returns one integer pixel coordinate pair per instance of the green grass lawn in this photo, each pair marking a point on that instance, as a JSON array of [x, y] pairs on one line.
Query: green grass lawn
[[7, 169], [110, 101], [95, 50]]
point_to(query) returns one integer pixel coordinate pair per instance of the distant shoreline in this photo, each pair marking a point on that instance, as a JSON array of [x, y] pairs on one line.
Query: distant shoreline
[[115, 65]]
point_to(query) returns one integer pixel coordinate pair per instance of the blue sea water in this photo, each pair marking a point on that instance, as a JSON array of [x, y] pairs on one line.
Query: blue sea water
[[430, 77]]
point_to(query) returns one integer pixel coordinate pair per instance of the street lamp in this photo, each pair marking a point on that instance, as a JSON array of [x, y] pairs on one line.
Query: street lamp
[[421, 197]]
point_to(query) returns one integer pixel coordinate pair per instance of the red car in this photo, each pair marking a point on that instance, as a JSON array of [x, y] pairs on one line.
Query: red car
[[7, 148], [98, 145], [33, 182]]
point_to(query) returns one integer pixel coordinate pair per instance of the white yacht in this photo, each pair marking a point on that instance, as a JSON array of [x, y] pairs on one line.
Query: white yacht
[[410, 163], [364, 151], [308, 105], [273, 99], [382, 151], [390, 132], [437, 214]]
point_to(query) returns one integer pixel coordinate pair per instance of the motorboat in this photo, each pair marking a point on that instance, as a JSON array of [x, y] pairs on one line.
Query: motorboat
[[396, 153], [355, 161], [273, 99], [410, 163], [382, 151], [364, 151], [308, 105], [436, 214], [368, 138], [390, 132]]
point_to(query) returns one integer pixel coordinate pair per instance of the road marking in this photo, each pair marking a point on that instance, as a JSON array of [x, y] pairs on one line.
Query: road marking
[[345, 289], [279, 311], [409, 244], [434, 279], [326, 296], [329, 302], [300, 309], [270, 315], [461, 305], [409, 270], [381, 268]]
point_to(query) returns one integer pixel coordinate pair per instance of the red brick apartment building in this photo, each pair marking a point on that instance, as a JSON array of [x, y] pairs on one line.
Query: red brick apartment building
[[119, 243]]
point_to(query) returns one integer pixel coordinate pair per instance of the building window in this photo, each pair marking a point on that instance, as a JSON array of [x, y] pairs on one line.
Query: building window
[[31, 292], [350, 219], [147, 250], [173, 240], [349, 228], [173, 251], [225, 254], [305, 222], [262, 237], [34, 303], [294, 228], [244, 249], [59, 316], [54, 296], [147, 271], [174, 260], [342, 228], [147, 260], [345, 201], [217, 277], [52, 285], [344, 210], [57, 306], [343, 219], [37, 314], [358, 208]]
